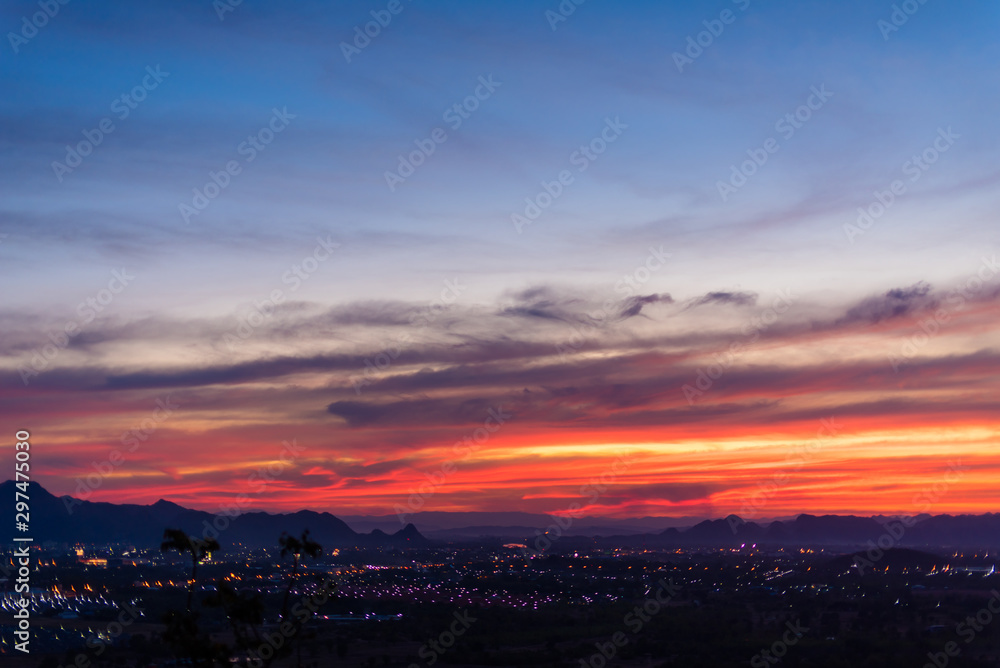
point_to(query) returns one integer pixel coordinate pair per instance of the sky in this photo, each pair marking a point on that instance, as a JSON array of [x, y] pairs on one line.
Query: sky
[[636, 258]]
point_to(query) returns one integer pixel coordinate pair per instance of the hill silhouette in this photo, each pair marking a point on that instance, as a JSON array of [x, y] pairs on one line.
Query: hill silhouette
[[69, 520]]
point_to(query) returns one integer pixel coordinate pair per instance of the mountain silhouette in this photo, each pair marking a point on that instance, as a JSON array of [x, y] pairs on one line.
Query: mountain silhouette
[[69, 520], [837, 530]]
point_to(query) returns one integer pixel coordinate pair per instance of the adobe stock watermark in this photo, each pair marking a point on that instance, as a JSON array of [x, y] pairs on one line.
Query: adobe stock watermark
[[455, 115], [301, 612], [423, 318], [435, 648], [895, 529], [627, 286], [705, 377], [122, 106], [955, 301], [20, 561], [562, 13], [365, 33], [87, 310], [967, 630], [787, 125], [220, 180], [258, 480], [635, 621], [768, 488], [914, 168], [130, 440], [463, 451], [581, 158], [779, 648], [899, 16], [592, 491], [97, 645], [31, 25], [696, 44], [223, 7], [295, 276]]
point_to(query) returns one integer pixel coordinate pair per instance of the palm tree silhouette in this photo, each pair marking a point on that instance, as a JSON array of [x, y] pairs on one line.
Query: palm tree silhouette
[[175, 539], [296, 547]]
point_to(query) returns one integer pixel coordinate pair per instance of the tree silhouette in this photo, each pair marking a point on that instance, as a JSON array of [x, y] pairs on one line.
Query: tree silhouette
[[297, 547], [182, 628], [175, 539], [244, 611]]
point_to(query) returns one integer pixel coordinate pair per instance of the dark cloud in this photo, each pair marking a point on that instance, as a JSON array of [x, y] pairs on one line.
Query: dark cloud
[[543, 302], [734, 298], [633, 305], [551, 304], [369, 471], [597, 397], [454, 380], [892, 304], [374, 313], [440, 411]]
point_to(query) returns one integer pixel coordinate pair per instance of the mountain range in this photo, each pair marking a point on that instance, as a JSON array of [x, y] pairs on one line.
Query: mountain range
[[69, 520]]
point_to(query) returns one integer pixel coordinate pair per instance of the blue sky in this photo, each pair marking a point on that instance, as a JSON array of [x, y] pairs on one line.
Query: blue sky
[[353, 120]]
